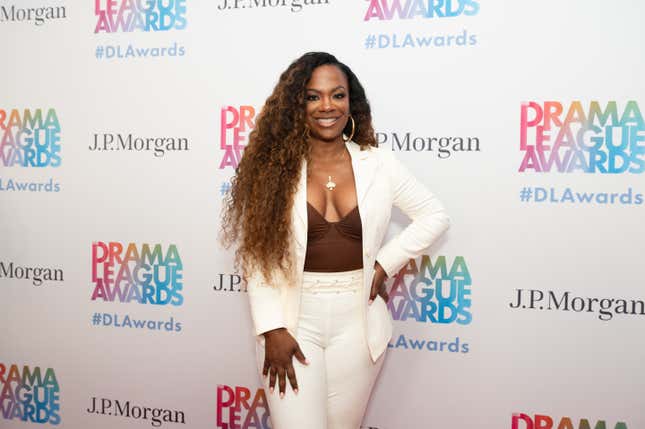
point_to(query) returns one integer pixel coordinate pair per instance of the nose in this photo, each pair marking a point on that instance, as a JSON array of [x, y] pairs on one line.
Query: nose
[[326, 104]]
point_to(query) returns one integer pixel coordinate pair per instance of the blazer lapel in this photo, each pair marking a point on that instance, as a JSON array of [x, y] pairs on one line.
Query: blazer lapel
[[364, 166], [300, 205]]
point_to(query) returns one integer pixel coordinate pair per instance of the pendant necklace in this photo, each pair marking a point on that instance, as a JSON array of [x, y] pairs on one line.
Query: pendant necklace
[[330, 185]]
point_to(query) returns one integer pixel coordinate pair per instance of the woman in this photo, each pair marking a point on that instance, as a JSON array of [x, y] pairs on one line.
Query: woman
[[309, 207]]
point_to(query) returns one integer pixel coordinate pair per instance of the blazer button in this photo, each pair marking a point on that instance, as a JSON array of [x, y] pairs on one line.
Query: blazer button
[[367, 253]]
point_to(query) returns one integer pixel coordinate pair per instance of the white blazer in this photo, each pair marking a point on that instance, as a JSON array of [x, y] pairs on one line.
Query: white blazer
[[381, 182]]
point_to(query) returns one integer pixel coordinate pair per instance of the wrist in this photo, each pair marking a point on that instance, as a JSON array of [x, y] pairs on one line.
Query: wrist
[[273, 332]]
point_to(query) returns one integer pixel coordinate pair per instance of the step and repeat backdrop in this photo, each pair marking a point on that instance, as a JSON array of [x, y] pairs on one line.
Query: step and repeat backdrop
[[122, 122]]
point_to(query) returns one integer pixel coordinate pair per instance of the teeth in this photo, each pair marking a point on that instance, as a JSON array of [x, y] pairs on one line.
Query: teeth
[[327, 121]]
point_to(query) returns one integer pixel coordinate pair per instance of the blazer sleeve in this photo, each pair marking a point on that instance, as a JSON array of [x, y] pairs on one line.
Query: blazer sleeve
[[266, 304], [428, 215]]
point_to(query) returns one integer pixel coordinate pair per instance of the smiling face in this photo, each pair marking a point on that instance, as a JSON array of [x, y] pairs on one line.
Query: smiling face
[[327, 101]]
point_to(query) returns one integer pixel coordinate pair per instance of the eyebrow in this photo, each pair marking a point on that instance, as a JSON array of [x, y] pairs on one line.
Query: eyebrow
[[334, 89]]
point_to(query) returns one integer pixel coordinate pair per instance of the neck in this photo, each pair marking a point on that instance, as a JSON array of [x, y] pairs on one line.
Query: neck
[[327, 150]]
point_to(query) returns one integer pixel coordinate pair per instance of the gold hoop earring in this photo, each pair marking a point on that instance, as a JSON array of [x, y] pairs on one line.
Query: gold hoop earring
[[353, 127]]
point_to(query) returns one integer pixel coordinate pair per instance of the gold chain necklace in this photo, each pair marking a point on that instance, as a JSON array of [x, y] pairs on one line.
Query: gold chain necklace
[[330, 185]]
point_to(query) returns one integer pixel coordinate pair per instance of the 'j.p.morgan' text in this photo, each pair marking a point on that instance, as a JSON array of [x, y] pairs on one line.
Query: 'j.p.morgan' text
[[444, 146], [293, 5], [229, 283], [114, 407], [535, 299], [36, 274], [36, 14], [119, 142]]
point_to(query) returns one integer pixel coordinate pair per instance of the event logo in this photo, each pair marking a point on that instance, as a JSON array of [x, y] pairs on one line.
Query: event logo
[[239, 408], [116, 407], [29, 395], [606, 308], [148, 15], [539, 421], [598, 139], [436, 292], [409, 9], [36, 14], [401, 38], [30, 140], [126, 273], [35, 274], [444, 146], [235, 124]]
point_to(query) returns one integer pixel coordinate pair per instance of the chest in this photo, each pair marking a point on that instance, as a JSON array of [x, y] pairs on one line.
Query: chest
[[331, 190]]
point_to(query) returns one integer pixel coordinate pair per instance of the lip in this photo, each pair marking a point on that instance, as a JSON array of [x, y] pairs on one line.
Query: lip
[[327, 122]]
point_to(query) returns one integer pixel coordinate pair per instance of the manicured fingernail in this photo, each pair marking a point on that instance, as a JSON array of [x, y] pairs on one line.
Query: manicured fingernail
[[370, 302], [281, 395], [306, 362], [295, 391], [270, 389]]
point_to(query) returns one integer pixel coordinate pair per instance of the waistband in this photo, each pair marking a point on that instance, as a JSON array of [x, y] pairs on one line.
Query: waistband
[[333, 281]]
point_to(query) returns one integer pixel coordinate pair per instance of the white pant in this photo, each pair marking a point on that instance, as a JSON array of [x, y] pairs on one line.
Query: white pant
[[333, 390]]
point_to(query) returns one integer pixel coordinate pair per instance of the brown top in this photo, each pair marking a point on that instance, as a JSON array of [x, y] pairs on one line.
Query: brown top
[[334, 246]]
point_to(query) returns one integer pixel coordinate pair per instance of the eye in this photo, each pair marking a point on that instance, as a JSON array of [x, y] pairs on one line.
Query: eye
[[311, 97], [340, 95]]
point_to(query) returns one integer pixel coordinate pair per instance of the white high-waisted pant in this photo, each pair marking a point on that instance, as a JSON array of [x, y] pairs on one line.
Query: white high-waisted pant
[[333, 390]]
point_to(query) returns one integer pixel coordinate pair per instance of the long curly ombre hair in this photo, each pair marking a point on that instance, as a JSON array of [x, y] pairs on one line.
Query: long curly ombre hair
[[257, 209]]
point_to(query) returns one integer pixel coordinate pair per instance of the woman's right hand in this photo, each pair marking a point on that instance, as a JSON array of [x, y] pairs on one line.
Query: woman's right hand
[[280, 347]]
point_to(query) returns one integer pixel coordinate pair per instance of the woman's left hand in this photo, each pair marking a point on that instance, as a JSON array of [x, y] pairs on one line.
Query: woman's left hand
[[378, 284]]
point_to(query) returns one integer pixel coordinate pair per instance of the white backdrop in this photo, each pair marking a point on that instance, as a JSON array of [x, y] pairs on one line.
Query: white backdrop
[[558, 367]]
